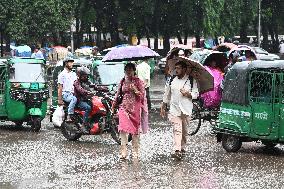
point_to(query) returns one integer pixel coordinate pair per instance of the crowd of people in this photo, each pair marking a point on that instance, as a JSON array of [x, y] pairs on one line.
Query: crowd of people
[[132, 99]]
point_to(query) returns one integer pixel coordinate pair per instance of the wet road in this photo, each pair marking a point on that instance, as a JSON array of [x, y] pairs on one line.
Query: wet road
[[47, 160]]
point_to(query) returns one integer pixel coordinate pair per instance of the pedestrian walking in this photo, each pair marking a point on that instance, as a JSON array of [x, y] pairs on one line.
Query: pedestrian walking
[[69, 53], [66, 88], [179, 92], [132, 112], [37, 54], [143, 72]]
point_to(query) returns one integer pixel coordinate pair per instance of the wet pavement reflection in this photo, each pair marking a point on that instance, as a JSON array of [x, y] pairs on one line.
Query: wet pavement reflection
[[47, 160]]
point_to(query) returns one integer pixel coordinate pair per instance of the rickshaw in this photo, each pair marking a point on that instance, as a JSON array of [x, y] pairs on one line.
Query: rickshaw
[[23, 91], [206, 107], [252, 105]]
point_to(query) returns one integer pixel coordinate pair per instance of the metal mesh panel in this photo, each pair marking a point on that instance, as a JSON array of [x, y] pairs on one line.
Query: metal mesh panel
[[278, 88], [261, 87], [2, 80]]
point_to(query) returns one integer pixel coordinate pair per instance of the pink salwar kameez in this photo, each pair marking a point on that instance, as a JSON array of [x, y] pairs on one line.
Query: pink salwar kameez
[[132, 107]]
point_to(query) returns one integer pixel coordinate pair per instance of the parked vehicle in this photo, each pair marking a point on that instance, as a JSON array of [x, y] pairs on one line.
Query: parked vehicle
[[23, 91], [252, 105], [260, 53]]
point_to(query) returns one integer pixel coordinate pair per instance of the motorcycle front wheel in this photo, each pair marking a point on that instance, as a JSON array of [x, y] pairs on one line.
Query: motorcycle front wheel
[[70, 131]]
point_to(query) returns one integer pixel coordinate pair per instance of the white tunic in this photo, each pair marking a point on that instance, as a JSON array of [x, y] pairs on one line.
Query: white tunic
[[178, 103]]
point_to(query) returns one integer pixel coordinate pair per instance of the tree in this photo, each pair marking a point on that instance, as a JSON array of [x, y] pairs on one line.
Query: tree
[[30, 22], [271, 22]]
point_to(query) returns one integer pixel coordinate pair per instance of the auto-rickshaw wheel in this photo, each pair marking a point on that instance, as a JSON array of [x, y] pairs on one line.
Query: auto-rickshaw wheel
[[18, 123], [231, 143], [35, 123], [269, 144]]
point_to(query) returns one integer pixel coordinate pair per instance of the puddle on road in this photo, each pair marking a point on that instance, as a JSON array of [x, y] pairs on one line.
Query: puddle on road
[[48, 160]]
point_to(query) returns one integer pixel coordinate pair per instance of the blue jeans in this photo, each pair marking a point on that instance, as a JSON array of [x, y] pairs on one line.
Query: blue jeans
[[87, 108], [71, 99]]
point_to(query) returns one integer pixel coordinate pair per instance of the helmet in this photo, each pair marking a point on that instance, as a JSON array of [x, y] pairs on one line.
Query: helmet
[[83, 71], [67, 60], [181, 52]]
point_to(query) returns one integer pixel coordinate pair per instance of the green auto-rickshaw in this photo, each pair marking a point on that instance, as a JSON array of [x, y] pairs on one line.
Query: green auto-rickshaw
[[252, 106], [23, 91]]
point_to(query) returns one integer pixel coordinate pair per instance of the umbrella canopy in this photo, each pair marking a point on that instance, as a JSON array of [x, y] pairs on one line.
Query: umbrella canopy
[[204, 79], [23, 51], [225, 47], [174, 51], [59, 47], [219, 57], [85, 47], [23, 48], [129, 53]]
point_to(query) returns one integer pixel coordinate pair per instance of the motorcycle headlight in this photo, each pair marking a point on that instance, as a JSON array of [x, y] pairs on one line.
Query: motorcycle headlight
[[45, 94]]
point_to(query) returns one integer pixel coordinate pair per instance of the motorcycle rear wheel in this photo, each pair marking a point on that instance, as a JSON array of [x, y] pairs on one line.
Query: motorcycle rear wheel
[[69, 132]]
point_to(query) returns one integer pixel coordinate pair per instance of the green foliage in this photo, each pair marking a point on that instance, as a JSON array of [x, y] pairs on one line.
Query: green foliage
[[30, 21]]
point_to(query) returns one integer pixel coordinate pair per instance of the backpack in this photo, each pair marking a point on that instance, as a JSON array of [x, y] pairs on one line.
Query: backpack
[[189, 78]]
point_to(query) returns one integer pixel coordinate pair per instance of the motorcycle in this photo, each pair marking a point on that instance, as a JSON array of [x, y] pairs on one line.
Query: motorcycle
[[101, 119]]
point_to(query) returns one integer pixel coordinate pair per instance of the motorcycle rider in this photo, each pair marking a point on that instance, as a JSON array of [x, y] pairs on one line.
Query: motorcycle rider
[[82, 91]]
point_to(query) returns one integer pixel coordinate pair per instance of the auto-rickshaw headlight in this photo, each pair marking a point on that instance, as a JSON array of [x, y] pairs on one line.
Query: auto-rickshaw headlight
[[45, 94], [18, 95]]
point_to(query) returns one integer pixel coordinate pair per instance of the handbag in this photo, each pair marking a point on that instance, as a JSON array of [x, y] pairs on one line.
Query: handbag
[[120, 96]]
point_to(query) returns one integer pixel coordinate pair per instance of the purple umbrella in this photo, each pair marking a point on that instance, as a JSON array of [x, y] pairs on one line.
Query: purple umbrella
[[129, 53]]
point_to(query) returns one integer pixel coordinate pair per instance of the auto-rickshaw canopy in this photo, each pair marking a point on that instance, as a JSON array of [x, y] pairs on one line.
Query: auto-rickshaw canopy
[[237, 79]]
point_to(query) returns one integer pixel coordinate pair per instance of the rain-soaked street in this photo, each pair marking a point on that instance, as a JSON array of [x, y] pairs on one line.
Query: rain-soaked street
[[47, 160]]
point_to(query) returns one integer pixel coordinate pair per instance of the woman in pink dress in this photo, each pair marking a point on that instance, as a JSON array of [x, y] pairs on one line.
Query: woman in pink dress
[[133, 111], [212, 99]]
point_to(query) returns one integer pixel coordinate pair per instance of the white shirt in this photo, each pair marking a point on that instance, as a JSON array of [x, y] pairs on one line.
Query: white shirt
[[66, 79], [178, 103], [281, 48], [143, 72], [39, 55]]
